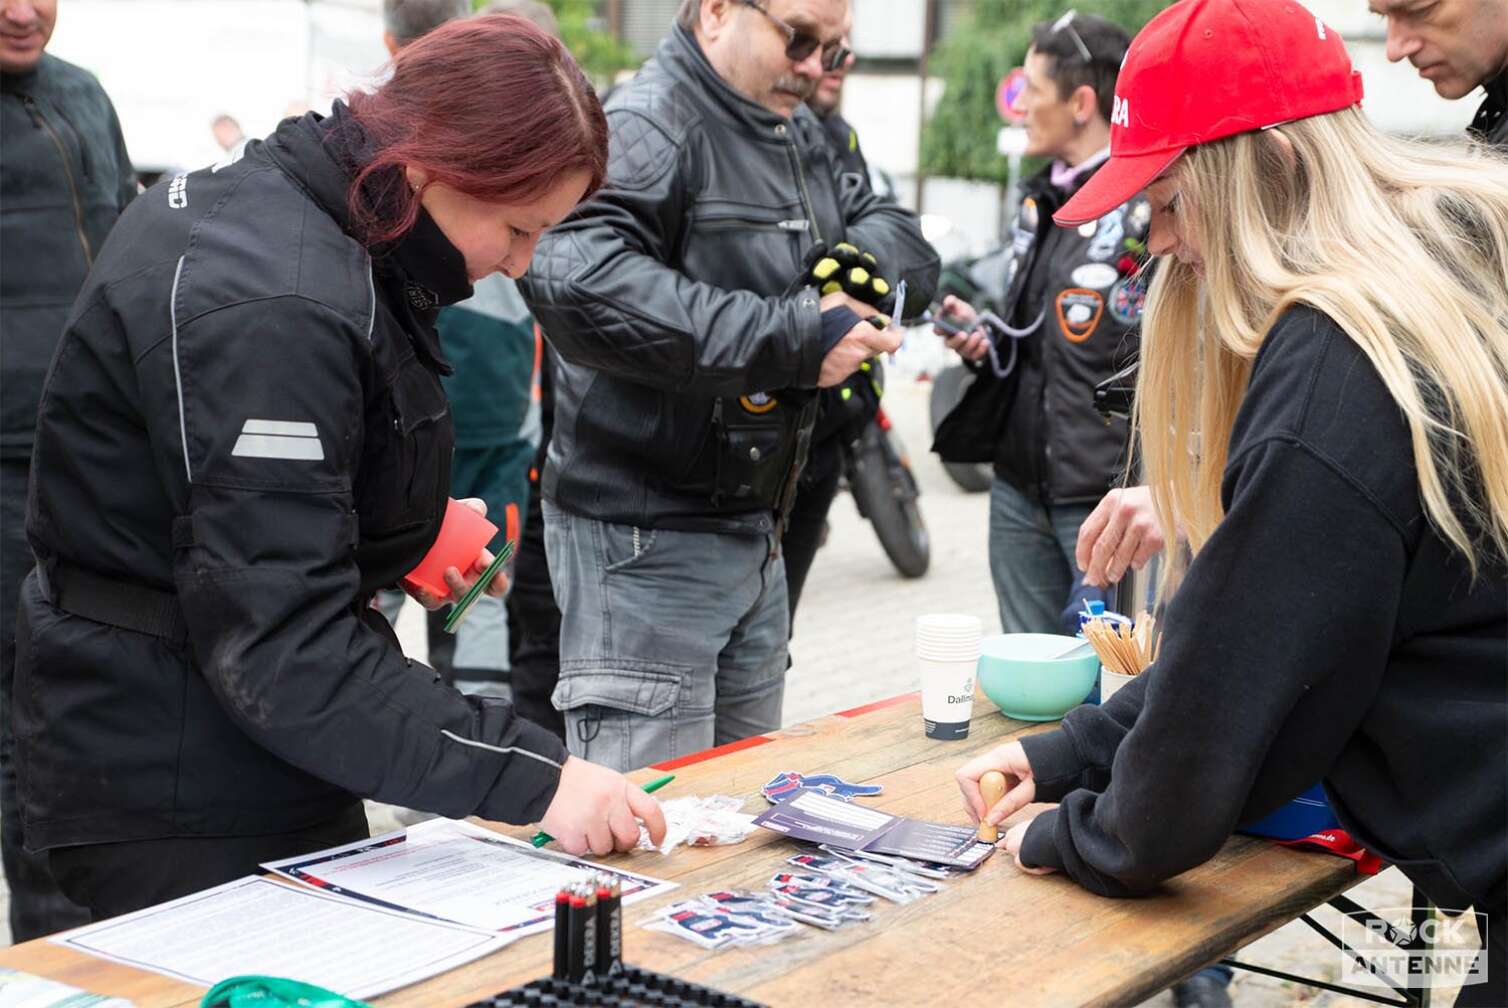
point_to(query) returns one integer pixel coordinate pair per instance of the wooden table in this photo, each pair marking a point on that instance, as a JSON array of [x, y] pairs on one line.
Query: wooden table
[[996, 935]]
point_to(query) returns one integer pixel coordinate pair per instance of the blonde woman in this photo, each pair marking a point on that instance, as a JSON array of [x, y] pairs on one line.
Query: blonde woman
[[1323, 410]]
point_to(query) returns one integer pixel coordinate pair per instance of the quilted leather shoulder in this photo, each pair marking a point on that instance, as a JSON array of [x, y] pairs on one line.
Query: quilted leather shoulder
[[649, 119]]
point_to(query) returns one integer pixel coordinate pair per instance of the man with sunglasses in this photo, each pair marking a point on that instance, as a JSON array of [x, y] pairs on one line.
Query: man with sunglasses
[[689, 354]]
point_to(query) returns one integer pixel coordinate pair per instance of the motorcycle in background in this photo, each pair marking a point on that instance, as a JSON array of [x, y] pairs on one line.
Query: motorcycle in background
[[878, 473]]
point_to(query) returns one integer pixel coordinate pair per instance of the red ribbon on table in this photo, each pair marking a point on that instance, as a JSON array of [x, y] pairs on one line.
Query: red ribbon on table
[[1339, 843]]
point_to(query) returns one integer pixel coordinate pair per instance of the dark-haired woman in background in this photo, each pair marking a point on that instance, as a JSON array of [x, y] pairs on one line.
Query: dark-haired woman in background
[[242, 438]]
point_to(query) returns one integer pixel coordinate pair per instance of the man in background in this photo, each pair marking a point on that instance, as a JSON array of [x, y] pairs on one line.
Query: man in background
[[679, 301], [64, 178], [826, 104], [1458, 46], [229, 136]]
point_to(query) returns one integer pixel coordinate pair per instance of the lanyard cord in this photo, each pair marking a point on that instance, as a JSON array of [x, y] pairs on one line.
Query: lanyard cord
[[992, 321]]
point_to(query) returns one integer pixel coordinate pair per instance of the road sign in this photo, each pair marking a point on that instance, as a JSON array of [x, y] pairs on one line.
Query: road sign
[[1009, 91]]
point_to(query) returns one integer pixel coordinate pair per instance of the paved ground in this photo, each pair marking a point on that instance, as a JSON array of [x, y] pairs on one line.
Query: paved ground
[[853, 644]]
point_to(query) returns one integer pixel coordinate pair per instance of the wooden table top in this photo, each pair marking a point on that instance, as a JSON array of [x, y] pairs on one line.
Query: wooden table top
[[1031, 940]]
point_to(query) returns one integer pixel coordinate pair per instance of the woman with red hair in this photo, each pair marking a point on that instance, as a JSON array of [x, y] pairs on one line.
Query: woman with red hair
[[242, 438]]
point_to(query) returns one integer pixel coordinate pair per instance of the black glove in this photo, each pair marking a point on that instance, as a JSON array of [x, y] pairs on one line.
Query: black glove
[[850, 406], [844, 268]]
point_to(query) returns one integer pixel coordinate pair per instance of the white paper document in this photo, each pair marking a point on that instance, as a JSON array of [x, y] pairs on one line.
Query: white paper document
[[261, 926], [24, 990], [450, 870]]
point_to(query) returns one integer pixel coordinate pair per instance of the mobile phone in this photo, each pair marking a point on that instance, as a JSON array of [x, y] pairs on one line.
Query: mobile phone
[[945, 324]]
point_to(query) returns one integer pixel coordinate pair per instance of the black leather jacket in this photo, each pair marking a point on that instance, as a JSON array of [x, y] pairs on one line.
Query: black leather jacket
[[64, 178], [1070, 288], [1491, 121], [665, 297]]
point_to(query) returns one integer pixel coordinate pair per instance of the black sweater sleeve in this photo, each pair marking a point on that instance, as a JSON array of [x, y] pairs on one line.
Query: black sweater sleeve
[[1079, 754], [1273, 645]]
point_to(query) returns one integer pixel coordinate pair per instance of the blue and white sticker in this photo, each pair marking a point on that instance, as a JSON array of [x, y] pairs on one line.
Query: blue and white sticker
[[1107, 238], [1095, 275]]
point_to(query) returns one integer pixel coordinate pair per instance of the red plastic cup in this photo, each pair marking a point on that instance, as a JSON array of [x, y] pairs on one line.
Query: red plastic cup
[[463, 536]]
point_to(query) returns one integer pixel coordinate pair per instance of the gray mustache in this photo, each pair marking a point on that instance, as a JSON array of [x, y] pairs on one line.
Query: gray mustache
[[801, 86]]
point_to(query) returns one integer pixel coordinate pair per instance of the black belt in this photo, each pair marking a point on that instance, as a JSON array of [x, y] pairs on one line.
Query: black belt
[[123, 604]]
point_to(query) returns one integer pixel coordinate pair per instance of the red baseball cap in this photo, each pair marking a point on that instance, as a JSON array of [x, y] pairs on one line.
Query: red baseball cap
[[1206, 69]]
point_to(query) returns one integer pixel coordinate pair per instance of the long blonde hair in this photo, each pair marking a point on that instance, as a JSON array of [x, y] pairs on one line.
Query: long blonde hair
[[1402, 244]]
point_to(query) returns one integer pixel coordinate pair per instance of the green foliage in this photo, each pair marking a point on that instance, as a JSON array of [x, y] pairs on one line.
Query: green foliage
[[959, 137], [584, 32], [601, 53]]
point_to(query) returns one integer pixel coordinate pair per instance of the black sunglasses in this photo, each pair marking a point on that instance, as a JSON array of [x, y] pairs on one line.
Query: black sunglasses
[[799, 44]]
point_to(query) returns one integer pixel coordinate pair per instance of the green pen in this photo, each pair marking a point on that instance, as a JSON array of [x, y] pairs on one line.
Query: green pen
[[460, 609], [541, 838]]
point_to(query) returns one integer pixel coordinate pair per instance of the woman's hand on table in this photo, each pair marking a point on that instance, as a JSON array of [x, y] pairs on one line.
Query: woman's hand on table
[[1121, 532], [1020, 786], [598, 811], [459, 583], [1012, 842]]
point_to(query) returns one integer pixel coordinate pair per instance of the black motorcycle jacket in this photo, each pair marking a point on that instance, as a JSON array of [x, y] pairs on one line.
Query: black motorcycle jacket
[[844, 141], [242, 437], [64, 178], [1491, 120], [1075, 298], [665, 296]]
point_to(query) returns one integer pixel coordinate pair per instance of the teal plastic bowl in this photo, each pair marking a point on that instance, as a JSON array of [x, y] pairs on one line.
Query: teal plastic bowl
[[1018, 672]]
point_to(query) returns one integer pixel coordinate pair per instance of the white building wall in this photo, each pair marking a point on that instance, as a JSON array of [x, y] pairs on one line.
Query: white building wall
[[170, 66]]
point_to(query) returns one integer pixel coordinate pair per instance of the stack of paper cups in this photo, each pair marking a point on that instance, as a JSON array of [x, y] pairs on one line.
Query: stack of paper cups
[[947, 650]]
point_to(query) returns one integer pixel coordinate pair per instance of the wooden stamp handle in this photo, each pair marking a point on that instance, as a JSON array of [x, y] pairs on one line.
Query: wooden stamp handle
[[992, 788]]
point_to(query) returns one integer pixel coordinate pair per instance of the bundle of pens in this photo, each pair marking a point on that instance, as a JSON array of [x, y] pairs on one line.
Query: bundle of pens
[[1125, 648], [589, 967], [588, 930]]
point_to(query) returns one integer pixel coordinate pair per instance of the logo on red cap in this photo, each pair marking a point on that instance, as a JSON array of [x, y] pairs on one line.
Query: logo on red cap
[[1120, 114]]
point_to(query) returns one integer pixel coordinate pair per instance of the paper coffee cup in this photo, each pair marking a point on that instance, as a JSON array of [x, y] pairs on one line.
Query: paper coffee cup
[[942, 635], [947, 696], [947, 653]]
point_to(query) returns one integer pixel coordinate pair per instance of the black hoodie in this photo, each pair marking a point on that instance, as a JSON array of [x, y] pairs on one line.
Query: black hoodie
[[1325, 632]]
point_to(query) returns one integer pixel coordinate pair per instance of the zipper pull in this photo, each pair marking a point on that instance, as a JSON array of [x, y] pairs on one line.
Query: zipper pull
[[31, 109]]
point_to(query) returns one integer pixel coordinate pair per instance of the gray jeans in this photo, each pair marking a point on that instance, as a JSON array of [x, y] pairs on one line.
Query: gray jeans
[[670, 642], [1031, 558]]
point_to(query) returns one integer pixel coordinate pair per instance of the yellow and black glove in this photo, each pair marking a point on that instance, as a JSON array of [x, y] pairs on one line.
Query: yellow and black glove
[[845, 268]]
